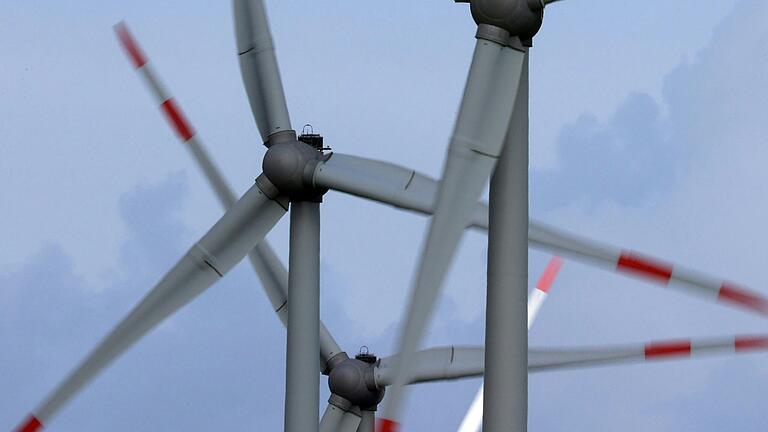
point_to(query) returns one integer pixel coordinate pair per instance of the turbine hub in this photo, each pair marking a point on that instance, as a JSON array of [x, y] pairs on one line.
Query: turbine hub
[[521, 18], [352, 379], [289, 164]]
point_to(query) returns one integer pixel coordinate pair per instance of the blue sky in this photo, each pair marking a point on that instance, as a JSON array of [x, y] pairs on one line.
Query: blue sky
[[647, 132]]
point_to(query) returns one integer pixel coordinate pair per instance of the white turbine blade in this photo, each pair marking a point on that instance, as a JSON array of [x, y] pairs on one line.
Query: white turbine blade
[[539, 294], [274, 279], [630, 262], [452, 363], [407, 189], [174, 115], [386, 183], [433, 364], [332, 418], [227, 242], [259, 69], [474, 148], [548, 359], [340, 416], [351, 422], [367, 421], [473, 420], [268, 267]]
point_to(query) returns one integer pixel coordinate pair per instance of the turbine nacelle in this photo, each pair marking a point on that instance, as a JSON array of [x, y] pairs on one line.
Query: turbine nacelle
[[353, 380], [290, 164], [521, 18]]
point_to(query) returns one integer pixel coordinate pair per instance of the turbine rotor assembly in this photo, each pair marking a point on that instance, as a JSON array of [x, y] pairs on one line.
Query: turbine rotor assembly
[[353, 379], [289, 164]]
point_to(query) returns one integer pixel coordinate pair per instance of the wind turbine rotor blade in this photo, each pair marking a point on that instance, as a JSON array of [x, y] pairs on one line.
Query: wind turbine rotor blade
[[258, 66], [367, 421], [31, 424], [410, 190], [473, 419], [274, 279], [433, 364], [452, 363], [268, 267], [225, 244], [477, 141], [352, 422], [652, 269], [549, 359], [340, 416], [538, 296], [331, 419], [386, 183], [173, 114]]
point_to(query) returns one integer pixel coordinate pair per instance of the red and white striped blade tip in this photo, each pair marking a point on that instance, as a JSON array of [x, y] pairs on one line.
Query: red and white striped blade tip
[[656, 350], [749, 343], [130, 45], [32, 424], [662, 272], [632, 262], [743, 297], [168, 104], [684, 348], [549, 275], [177, 119], [385, 425]]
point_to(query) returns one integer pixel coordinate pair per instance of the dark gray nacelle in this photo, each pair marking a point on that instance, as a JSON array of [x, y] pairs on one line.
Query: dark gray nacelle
[[353, 380], [289, 165], [521, 18]]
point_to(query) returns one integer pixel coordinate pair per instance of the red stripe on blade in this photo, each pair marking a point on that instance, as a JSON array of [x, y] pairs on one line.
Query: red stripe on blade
[[749, 343], [31, 425], [384, 425], [179, 123], [667, 349], [740, 296], [550, 273], [130, 45], [648, 267]]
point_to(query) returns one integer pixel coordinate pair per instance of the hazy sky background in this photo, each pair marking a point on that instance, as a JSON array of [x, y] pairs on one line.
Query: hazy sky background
[[648, 131]]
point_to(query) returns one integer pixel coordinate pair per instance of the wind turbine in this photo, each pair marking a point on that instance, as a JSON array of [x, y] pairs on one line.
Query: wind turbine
[[490, 140], [340, 413], [297, 172]]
